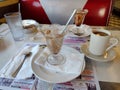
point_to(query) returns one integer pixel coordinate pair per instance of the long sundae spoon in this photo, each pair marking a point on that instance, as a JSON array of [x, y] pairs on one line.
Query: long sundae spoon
[[64, 30]]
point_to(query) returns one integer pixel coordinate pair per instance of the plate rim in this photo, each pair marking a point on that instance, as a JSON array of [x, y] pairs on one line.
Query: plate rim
[[60, 81], [96, 59], [29, 20], [84, 35]]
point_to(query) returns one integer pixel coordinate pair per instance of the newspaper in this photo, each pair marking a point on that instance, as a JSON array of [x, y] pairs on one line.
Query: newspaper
[[17, 84], [86, 81]]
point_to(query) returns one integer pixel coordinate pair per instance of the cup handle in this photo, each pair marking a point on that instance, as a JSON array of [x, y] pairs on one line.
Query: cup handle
[[113, 42]]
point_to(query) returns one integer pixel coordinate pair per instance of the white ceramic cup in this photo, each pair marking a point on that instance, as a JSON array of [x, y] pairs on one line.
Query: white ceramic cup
[[101, 41]]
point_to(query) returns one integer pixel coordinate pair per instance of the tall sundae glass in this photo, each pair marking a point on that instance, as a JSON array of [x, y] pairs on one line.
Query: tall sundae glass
[[54, 38]]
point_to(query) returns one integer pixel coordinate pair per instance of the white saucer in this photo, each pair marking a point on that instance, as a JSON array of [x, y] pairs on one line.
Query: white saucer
[[28, 22], [29, 25], [110, 55], [85, 29], [57, 77]]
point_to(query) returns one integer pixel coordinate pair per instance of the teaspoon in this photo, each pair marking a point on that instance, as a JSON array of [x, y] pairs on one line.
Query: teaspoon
[[18, 69]]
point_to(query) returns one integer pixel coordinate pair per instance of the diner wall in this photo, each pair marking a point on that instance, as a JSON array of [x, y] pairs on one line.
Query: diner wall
[[115, 16], [12, 5], [7, 6]]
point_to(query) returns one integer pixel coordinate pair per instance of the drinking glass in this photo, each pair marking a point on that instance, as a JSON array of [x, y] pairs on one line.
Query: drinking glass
[[14, 22], [79, 19], [54, 38], [80, 16]]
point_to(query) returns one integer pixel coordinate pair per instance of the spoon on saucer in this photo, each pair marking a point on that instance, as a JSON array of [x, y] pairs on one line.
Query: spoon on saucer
[[105, 55]]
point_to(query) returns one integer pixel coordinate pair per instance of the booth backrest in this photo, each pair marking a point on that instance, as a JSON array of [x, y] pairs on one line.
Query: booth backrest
[[98, 15], [7, 6], [99, 12]]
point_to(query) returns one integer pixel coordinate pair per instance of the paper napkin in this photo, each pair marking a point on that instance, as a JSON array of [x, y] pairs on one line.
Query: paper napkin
[[14, 63], [70, 66], [25, 71]]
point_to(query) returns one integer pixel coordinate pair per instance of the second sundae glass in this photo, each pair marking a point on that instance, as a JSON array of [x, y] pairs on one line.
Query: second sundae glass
[[80, 16], [54, 38], [79, 19]]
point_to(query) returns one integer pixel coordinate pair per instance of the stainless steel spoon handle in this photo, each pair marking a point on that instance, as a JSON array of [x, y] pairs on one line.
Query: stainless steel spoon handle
[[18, 69]]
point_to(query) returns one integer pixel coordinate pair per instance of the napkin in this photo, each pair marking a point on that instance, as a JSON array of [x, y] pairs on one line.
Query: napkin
[[26, 71], [70, 66], [11, 67], [14, 63], [4, 29]]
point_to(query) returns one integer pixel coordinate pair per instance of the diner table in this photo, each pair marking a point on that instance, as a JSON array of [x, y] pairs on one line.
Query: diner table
[[108, 73]]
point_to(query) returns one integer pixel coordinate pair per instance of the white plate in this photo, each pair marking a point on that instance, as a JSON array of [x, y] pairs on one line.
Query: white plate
[[111, 54], [53, 77], [85, 29]]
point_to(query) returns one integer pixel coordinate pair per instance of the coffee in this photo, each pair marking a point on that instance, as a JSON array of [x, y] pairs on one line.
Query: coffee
[[99, 42], [100, 33]]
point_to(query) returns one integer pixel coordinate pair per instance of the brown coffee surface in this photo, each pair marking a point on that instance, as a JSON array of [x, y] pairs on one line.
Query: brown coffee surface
[[100, 33]]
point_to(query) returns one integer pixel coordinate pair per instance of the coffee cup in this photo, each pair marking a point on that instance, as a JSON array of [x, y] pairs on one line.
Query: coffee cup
[[101, 41]]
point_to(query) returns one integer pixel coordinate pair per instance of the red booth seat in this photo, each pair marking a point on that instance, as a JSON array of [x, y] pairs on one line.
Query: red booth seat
[[98, 15]]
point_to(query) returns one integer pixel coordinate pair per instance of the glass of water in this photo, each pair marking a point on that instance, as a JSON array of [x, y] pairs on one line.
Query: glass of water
[[14, 22]]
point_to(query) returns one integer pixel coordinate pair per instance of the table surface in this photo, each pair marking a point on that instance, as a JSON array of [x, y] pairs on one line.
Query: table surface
[[108, 71]]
